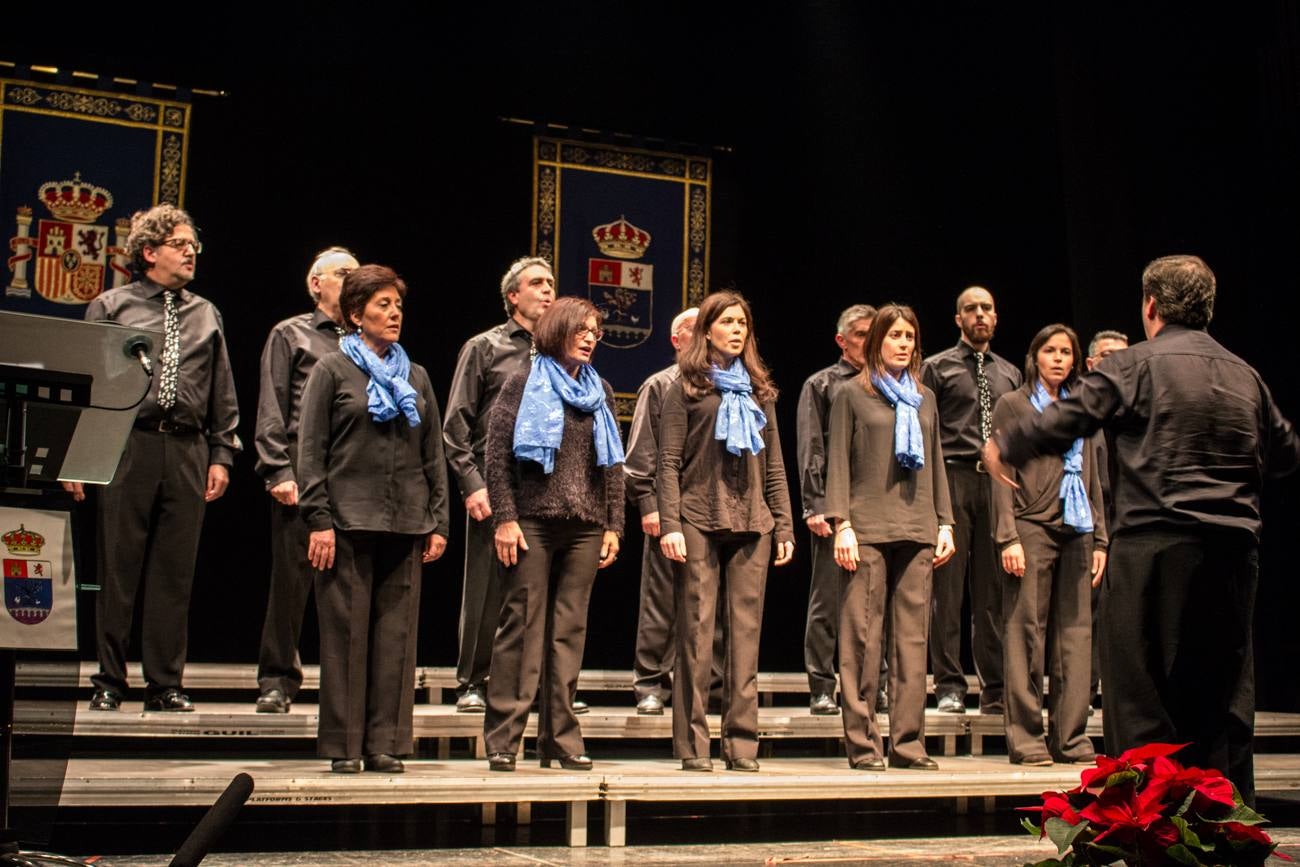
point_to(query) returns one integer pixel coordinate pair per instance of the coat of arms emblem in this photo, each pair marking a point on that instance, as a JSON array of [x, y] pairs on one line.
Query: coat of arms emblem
[[29, 584], [622, 287]]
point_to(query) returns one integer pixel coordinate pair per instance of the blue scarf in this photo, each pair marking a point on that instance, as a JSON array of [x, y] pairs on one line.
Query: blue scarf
[[389, 392], [1078, 513], [739, 418], [905, 397], [539, 426]]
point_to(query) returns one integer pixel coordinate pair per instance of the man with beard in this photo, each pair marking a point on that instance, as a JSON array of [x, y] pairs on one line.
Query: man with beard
[[813, 419], [967, 380], [292, 350]]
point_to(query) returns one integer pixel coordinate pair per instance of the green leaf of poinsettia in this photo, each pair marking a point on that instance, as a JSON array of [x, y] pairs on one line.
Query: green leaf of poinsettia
[[1241, 813], [1187, 837], [1180, 854], [1062, 833]]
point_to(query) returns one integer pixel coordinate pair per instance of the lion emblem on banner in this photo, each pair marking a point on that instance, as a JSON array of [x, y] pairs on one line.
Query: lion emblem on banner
[[72, 254]]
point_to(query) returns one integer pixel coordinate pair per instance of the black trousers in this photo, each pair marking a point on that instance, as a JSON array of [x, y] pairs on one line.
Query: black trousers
[[1049, 631], [480, 604], [821, 632], [150, 516], [975, 561], [541, 638], [279, 665], [369, 608], [731, 568], [656, 650], [1176, 658], [891, 585]]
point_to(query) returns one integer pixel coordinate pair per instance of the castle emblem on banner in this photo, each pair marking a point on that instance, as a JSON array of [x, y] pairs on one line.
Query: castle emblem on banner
[[29, 584], [72, 255], [621, 287]]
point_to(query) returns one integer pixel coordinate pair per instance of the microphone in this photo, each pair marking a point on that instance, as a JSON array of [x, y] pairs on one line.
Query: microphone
[[215, 822], [139, 346]]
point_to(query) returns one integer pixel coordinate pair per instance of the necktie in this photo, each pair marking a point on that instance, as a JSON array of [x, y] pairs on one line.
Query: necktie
[[985, 398], [171, 354]]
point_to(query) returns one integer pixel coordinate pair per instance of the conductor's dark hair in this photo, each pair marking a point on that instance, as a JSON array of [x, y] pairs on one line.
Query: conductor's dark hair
[[1183, 287]]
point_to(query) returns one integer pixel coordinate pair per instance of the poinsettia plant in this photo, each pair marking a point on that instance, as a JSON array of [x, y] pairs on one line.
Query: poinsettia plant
[[1144, 808]]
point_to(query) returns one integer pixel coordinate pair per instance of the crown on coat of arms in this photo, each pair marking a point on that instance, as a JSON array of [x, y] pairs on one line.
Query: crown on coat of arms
[[23, 541], [621, 239], [76, 201]]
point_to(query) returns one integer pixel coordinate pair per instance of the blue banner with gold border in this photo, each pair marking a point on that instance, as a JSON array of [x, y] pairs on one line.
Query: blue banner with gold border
[[75, 164], [629, 229]]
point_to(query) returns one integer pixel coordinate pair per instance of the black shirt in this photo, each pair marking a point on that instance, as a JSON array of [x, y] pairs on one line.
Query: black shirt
[[205, 388], [643, 440], [951, 376], [1196, 432], [359, 474], [813, 432], [292, 350], [486, 361]]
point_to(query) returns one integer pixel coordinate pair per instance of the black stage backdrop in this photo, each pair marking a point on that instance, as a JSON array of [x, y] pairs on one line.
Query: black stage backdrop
[[862, 154]]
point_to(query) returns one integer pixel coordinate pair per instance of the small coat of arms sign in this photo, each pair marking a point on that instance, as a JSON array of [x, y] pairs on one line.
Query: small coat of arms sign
[[621, 287]]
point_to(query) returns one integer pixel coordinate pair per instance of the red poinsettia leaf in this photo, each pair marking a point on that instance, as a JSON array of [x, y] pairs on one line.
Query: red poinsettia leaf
[[1236, 832], [1148, 751], [1213, 790]]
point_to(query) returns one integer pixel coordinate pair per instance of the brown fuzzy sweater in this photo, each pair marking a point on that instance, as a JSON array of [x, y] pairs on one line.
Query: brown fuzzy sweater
[[577, 488]]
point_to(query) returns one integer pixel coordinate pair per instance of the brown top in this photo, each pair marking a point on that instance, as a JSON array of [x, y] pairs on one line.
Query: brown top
[[884, 501], [700, 482], [1039, 496], [575, 487]]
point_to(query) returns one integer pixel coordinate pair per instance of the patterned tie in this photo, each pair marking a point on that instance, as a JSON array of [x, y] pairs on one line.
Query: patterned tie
[[986, 399], [171, 354]]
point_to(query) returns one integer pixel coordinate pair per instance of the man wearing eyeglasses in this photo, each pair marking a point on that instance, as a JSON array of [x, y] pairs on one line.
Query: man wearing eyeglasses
[[292, 350], [177, 459]]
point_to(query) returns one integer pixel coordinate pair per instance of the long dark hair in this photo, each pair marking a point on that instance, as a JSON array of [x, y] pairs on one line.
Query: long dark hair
[[885, 318], [1046, 333], [699, 356]]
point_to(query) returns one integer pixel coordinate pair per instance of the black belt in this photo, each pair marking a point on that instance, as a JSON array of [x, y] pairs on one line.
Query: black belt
[[164, 426], [977, 466]]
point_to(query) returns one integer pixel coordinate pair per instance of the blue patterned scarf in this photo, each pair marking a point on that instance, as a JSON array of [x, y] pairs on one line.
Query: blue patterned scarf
[[739, 418], [905, 397], [539, 426], [1078, 512], [389, 392]]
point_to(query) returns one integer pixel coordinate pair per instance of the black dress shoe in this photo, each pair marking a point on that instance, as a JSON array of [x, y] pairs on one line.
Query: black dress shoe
[[882, 701], [105, 699], [951, 703], [346, 766], [471, 701], [501, 762], [873, 764], [169, 700], [650, 705], [704, 764], [925, 763], [570, 763], [580, 706], [273, 701], [385, 764], [823, 705], [749, 765]]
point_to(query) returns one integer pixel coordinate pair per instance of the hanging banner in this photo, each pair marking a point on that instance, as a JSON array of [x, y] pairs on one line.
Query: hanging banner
[[75, 164], [628, 229], [40, 585]]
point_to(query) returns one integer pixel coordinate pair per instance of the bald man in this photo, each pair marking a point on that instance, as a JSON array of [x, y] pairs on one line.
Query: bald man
[[292, 350], [967, 381]]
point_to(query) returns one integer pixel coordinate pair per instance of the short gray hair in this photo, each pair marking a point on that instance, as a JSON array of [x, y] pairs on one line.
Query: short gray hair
[[1105, 335], [510, 280], [315, 269], [150, 228], [853, 314], [1184, 288]]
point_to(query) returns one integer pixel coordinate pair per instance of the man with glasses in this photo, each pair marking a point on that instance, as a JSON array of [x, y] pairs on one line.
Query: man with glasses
[[486, 361], [292, 350], [177, 458]]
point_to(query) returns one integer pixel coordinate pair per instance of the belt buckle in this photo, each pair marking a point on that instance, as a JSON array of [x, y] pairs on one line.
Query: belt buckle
[[165, 426], [980, 468]]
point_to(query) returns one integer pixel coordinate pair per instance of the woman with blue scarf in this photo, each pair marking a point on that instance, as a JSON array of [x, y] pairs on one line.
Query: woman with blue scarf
[[1051, 531], [887, 494], [374, 494], [724, 510], [555, 479]]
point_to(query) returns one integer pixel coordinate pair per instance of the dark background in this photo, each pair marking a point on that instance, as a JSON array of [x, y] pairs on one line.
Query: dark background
[[861, 154]]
